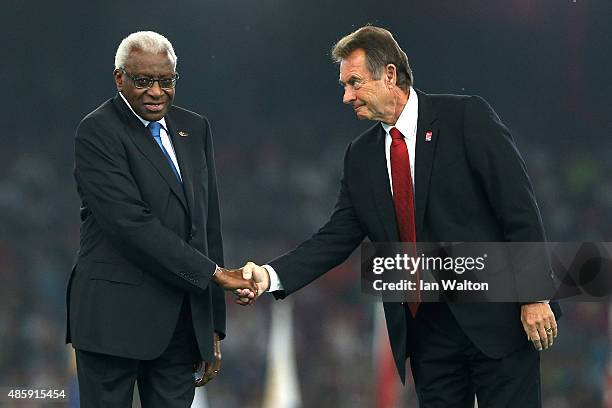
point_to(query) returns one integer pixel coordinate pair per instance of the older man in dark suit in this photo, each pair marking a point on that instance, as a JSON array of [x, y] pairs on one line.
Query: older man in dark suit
[[433, 168], [145, 297]]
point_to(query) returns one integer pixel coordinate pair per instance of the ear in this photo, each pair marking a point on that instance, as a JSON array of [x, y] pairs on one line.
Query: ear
[[390, 75], [118, 75]]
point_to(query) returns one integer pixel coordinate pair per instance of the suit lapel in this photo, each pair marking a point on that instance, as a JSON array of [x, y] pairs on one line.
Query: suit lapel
[[425, 148], [182, 149], [143, 140], [379, 180]]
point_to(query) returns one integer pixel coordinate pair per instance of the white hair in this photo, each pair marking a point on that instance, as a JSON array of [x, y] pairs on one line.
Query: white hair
[[147, 41]]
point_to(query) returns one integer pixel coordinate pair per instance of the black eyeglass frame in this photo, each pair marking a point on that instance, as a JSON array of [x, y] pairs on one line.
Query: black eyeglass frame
[[150, 81]]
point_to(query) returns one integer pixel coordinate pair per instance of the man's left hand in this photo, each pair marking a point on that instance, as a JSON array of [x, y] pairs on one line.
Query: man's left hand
[[211, 369], [540, 324]]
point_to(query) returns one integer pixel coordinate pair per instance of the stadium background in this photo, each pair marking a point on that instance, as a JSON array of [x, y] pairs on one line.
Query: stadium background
[[261, 72]]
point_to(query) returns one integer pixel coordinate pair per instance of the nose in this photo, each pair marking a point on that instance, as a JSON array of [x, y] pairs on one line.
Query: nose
[[349, 95], [155, 90]]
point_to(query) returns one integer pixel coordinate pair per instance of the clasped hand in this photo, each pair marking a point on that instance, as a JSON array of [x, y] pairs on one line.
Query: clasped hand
[[257, 274], [232, 279], [247, 283]]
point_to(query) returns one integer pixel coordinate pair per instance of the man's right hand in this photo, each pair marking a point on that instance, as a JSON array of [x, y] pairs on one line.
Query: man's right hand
[[260, 276], [232, 279]]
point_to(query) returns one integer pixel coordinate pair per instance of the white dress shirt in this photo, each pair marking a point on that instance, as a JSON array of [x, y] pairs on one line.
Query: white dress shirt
[[163, 134], [407, 125]]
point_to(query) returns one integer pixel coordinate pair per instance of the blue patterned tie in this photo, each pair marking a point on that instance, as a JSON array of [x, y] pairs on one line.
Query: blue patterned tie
[[154, 128]]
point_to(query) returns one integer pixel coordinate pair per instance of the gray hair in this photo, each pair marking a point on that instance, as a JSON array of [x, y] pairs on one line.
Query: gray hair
[[380, 49], [147, 41]]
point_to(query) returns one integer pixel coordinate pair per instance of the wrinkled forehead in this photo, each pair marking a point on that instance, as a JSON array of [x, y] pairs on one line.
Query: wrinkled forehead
[[354, 66]]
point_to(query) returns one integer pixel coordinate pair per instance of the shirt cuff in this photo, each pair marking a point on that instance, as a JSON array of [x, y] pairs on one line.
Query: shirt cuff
[[275, 283]]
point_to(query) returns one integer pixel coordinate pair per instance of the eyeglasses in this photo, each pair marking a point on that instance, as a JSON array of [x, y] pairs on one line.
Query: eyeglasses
[[146, 82]]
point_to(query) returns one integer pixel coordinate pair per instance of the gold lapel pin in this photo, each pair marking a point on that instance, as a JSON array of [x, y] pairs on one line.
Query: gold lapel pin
[[184, 134]]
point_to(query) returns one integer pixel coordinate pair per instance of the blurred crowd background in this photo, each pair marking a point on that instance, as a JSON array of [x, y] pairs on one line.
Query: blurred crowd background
[[261, 72]]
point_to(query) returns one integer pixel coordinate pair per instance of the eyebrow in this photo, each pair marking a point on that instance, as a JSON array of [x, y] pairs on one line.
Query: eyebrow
[[349, 81]]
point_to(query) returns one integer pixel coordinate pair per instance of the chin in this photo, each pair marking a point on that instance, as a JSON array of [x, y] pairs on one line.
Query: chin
[[152, 116]]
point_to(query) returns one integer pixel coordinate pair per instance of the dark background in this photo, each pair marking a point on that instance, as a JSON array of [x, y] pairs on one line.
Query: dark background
[[261, 72]]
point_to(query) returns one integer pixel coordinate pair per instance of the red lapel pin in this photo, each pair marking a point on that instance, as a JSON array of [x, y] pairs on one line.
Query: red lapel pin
[[428, 135]]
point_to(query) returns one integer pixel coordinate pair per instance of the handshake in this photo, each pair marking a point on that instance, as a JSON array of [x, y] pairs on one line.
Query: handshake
[[247, 283]]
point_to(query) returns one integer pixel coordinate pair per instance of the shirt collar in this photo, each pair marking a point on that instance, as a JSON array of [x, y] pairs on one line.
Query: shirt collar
[[406, 123], [162, 121]]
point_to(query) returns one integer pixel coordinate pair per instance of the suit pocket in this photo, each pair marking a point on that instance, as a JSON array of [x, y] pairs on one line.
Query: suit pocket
[[116, 272]]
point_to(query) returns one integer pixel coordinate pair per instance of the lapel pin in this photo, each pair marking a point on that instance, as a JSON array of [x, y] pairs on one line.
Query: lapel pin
[[184, 134], [428, 135]]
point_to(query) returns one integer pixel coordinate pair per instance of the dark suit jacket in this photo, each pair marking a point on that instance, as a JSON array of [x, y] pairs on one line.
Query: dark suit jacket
[[471, 185], [146, 240]]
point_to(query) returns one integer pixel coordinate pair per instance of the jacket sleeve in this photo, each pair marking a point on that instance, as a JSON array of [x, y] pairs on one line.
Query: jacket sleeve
[[213, 232], [496, 162]]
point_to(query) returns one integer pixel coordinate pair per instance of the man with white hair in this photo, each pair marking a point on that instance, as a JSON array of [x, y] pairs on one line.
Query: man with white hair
[[145, 297]]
